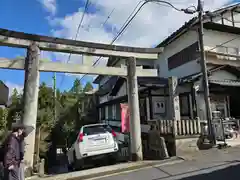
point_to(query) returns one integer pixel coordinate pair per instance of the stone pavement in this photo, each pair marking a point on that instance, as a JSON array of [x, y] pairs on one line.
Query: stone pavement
[[204, 165], [105, 170], [214, 163]]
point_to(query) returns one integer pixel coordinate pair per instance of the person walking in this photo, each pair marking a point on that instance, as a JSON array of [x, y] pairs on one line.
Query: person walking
[[12, 154]]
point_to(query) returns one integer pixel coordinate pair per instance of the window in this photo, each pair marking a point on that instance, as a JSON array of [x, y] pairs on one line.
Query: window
[[228, 50], [114, 111], [118, 112], [147, 67], [98, 129], [184, 105], [110, 113], [103, 113], [106, 112], [188, 54], [221, 49], [233, 50]]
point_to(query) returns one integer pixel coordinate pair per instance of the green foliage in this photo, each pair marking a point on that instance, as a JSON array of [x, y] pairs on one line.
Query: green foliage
[[70, 108], [3, 123], [77, 87], [45, 97], [88, 87]]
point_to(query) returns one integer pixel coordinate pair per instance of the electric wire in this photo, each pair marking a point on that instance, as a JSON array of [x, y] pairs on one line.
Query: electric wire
[[78, 30], [129, 20]]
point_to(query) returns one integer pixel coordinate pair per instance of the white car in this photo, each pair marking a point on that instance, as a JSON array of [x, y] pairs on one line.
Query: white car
[[94, 141]]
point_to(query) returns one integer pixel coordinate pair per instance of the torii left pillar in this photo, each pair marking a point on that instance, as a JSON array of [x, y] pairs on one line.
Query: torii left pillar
[[30, 100]]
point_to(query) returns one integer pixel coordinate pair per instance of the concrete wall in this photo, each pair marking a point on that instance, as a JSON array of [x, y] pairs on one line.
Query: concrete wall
[[187, 69], [214, 38]]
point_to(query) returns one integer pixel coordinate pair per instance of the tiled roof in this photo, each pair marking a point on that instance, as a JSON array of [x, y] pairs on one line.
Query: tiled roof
[[225, 82]]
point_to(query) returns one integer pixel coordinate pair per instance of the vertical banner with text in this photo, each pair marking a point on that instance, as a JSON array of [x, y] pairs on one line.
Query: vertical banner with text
[[125, 117]]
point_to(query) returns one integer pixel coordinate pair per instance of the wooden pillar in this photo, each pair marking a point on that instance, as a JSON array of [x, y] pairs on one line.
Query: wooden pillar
[[133, 100], [174, 102], [30, 99], [148, 113]]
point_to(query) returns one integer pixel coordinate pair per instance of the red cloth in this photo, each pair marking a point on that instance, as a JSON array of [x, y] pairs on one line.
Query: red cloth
[[125, 117]]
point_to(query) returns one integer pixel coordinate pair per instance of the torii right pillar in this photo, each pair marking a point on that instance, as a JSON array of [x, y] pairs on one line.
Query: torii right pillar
[[174, 107], [133, 101]]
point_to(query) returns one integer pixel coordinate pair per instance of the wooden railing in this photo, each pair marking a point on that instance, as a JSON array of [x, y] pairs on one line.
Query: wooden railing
[[188, 127], [182, 127]]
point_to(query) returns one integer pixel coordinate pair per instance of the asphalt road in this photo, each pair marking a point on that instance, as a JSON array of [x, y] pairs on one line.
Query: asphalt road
[[221, 165]]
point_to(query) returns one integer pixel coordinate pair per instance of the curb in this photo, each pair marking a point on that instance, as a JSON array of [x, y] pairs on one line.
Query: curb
[[32, 177], [136, 167], [125, 170]]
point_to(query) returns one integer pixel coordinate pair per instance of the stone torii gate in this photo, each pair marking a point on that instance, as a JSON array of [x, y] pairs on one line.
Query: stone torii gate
[[32, 65]]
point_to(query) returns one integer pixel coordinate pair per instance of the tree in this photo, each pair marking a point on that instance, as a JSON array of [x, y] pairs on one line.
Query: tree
[[3, 122], [77, 87], [45, 118], [45, 97], [88, 87], [15, 108]]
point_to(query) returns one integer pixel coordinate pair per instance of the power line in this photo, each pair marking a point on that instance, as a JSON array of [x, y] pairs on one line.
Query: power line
[[116, 37], [224, 43], [108, 17], [78, 30], [133, 15], [129, 20]]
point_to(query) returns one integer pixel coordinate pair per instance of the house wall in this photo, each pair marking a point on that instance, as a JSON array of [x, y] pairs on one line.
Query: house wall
[[216, 38], [107, 97], [184, 70], [211, 40], [218, 75], [228, 16]]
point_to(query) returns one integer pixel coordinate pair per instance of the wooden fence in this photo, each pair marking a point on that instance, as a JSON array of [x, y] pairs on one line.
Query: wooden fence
[[183, 127]]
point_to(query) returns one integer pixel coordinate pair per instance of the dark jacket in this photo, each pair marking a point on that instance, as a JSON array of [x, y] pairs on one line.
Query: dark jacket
[[22, 148], [12, 151]]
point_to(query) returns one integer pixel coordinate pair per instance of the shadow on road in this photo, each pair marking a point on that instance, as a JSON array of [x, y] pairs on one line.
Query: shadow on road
[[231, 172]]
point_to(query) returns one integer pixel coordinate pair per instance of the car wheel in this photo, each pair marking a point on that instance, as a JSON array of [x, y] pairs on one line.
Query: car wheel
[[75, 161], [70, 168], [112, 159], [77, 164]]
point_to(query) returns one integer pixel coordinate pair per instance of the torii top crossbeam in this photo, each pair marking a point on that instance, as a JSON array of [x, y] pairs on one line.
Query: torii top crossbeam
[[23, 40]]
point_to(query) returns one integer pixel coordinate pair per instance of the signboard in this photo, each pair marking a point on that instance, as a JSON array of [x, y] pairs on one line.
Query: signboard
[[124, 117]]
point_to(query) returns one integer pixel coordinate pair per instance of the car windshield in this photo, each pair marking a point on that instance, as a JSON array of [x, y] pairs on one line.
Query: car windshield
[[98, 129]]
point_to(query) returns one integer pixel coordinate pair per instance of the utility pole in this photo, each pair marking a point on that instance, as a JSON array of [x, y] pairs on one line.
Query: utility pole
[[205, 73], [133, 100], [54, 98]]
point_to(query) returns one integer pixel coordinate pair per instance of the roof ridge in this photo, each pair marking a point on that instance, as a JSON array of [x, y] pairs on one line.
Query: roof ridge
[[192, 21]]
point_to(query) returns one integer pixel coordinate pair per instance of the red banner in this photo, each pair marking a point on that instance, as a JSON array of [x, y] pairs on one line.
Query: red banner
[[125, 117]]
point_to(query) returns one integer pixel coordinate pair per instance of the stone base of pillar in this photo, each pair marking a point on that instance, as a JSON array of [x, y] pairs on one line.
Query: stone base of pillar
[[29, 153]]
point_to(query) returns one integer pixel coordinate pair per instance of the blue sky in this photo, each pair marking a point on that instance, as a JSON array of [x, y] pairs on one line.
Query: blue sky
[[61, 18], [30, 16]]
